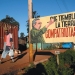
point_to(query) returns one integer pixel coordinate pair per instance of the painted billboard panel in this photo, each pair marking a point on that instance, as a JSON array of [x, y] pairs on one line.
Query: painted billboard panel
[[54, 28]]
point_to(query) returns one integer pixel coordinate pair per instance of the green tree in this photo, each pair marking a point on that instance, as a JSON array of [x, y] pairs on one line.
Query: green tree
[[10, 20], [34, 15], [22, 35]]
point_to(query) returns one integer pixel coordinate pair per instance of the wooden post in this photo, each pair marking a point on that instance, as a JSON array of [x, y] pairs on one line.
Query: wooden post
[[58, 59], [57, 56], [29, 17]]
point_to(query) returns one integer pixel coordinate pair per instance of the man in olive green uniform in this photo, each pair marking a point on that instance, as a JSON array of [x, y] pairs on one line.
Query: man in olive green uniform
[[37, 33]]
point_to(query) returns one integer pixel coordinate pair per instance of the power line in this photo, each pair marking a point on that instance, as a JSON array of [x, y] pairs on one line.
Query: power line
[[64, 3], [59, 6]]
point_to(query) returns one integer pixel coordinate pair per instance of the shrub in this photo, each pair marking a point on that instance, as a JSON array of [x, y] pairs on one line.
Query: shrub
[[67, 57], [30, 67], [50, 67], [65, 71]]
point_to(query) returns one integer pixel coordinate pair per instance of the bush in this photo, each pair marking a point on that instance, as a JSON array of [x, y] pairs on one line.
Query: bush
[[67, 57], [65, 71], [30, 67], [38, 70], [50, 67]]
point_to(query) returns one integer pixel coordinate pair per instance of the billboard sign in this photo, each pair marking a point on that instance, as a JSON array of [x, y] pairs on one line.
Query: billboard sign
[[53, 29]]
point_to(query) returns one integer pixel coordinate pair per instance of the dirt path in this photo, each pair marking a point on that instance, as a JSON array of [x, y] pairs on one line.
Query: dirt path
[[23, 60]]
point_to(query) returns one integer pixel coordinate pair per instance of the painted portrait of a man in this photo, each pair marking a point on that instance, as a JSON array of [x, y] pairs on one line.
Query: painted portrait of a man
[[37, 32]]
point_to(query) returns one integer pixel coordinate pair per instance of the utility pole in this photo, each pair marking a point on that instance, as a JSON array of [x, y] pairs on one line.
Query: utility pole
[[30, 17]]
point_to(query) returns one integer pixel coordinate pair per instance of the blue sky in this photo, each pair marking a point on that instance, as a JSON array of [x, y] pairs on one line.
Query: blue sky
[[18, 9]]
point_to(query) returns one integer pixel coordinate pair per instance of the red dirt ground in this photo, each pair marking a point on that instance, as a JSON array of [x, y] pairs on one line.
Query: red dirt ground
[[23, 60]]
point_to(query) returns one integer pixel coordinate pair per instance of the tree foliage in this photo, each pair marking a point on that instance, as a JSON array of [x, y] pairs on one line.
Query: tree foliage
[[10, 20], [34, 15], [22, 35]]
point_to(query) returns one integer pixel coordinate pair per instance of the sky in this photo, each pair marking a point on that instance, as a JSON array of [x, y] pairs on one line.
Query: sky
[[18, 9]]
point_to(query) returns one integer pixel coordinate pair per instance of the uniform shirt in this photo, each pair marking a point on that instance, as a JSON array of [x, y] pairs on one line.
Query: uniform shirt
[[37, 35]]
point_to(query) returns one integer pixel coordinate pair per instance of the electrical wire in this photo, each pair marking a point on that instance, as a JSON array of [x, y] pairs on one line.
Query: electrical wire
[[59, 6], [65, 5]]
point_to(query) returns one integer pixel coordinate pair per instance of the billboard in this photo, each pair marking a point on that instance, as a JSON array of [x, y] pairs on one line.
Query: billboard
[[53, 29]]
